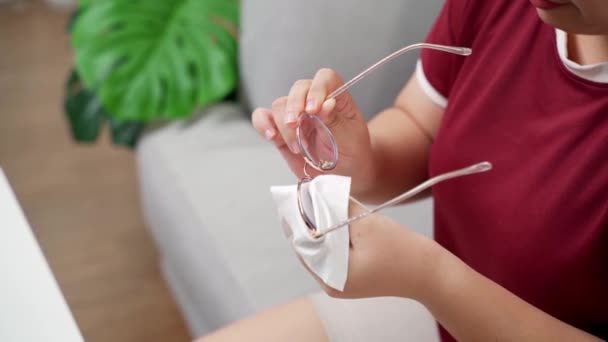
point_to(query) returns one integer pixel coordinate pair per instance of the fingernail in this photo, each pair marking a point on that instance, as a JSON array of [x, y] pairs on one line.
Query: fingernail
[[269, 134], [311, 105], [292, 116], [294, 147]]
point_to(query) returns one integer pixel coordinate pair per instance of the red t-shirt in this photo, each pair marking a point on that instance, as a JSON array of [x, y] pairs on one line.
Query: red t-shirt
[[537, 224]]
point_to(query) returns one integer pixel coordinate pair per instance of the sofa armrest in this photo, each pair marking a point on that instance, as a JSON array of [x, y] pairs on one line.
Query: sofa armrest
[[217, 126]]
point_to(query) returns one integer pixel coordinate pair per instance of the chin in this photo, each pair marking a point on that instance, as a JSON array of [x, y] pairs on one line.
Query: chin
[[570, 20]]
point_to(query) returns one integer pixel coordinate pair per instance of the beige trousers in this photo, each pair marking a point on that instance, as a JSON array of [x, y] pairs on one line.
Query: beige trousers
[[384, 319]]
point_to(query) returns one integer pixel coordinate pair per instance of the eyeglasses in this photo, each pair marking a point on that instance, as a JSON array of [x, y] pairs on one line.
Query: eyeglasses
[[320, 151]]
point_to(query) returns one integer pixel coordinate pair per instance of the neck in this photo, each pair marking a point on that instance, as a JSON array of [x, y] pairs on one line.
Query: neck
[[587, 49]]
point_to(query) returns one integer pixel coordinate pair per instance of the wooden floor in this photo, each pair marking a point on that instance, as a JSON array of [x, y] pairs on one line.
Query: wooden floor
[[81, 201]]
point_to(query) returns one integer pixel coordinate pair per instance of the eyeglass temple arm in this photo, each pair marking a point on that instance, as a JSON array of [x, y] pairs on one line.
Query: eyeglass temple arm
[[463, 51], [477, 168]]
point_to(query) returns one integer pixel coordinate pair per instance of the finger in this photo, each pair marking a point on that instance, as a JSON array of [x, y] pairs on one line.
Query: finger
[[264, 124], [327, 108], [345, 106], [325, 81], [287, 133], [296, 101]]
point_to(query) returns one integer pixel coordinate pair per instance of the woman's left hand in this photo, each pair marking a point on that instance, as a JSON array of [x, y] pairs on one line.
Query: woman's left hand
[[387, 259]]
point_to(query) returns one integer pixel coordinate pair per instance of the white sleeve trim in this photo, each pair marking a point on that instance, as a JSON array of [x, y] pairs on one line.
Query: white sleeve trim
[[428, 89]]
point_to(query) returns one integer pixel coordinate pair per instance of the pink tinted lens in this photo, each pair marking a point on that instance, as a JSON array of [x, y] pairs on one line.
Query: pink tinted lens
[[317, 142]]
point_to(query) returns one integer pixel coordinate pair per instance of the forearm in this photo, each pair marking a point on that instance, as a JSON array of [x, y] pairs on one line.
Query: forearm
[[474, 308], [401, 138], [400, 151]]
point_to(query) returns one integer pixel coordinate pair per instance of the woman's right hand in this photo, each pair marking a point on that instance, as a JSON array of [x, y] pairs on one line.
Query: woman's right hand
[[278, 124]]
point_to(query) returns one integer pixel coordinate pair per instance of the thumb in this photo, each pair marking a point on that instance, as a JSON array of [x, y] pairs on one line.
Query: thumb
[[344, 106], [327, 110]]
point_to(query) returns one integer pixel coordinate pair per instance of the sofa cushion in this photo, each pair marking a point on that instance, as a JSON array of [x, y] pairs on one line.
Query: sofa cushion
[[283, 41], [205, 194]]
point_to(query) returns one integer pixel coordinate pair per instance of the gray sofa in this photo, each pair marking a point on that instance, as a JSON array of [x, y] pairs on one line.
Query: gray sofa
[[205, 182]]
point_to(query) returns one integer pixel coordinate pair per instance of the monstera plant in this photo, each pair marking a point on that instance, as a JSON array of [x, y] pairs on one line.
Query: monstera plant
[[140, 61]]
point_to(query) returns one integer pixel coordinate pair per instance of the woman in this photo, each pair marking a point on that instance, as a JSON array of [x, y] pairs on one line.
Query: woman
[[521, 253]]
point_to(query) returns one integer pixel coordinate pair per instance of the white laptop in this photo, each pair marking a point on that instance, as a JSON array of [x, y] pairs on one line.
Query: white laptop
[[32, 307]]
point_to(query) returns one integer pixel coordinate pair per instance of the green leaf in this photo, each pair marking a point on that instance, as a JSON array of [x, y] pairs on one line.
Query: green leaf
[[83, 109], [72, 19], [125, 133], [151, 60], [83, 3], [86, 116]]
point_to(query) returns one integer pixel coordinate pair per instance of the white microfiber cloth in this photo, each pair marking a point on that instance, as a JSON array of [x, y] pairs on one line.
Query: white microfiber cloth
[[327, 256]]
